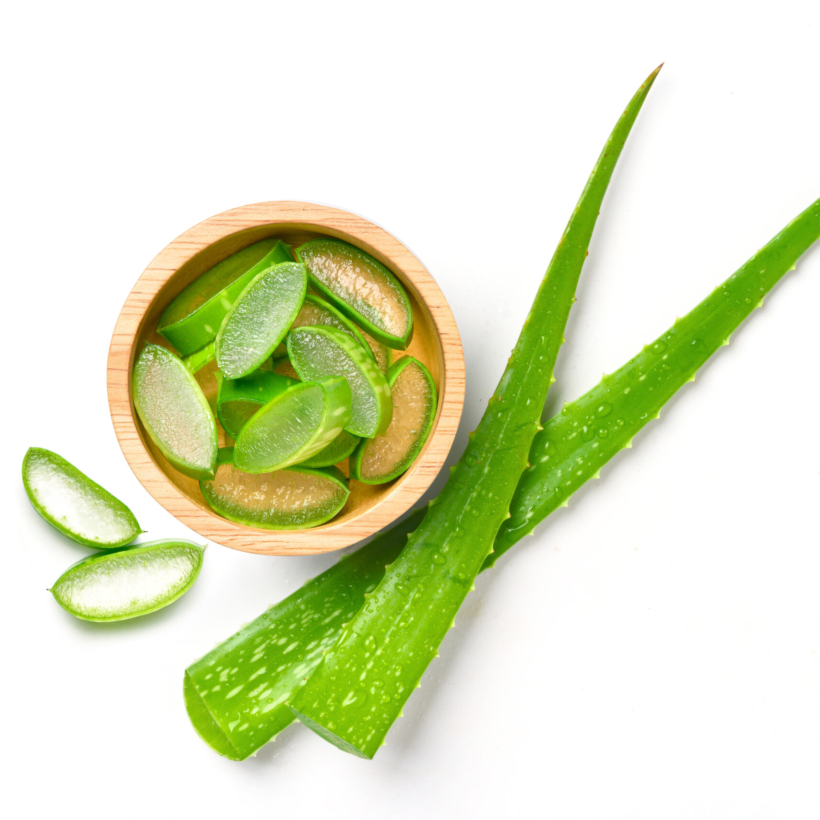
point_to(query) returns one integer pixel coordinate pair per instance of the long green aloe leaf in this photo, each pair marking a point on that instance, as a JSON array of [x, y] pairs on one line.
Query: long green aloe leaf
[[323, 604], [358, 691], [588, 432]]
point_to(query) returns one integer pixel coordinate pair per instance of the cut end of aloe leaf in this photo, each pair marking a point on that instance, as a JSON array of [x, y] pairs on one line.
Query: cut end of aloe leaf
[[259, 319], [318, 353], [204, 724], [331, 737], [128, 583], [74, 504], [175, 412], [193, 319], [295, 425], [385, 457], [362, 288], [338, 450], [294, 498]]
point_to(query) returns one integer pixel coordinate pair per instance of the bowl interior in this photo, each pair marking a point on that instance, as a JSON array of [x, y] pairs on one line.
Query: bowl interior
[[426, 346]]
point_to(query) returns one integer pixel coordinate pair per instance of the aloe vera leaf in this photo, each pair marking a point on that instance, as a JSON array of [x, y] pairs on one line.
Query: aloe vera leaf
[[338, 450], [781, 254], [385, 457], [361, 686], [238, 400], [237, 694], [74, 504], [298, 423], [588, 432], [202, 358], [259, 318], [294, 498], [175, 412], [193, 319], [322, 352], [127, 583], [361, 287]]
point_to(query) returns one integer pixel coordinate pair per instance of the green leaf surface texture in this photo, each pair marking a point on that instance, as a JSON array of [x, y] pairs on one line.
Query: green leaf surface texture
[[74, 504], [713, 320], [359, 690]]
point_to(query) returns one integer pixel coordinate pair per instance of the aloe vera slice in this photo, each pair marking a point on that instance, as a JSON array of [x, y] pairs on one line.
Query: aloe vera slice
[[385, 457], [322, 352], [710, 323], [358, 691], [381, 353], [74, 504], [127, 583], [259, 319], [193, 319], [175, 412], [295, 425], [362, 288], [239, 399], [338, 450], [289, 499]]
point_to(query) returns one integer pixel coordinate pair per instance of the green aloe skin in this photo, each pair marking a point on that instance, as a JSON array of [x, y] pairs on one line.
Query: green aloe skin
[[710, 323], [358, 691], [193, 319]]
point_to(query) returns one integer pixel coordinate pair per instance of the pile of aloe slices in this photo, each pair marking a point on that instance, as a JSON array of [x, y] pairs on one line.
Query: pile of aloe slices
[[285, 358]]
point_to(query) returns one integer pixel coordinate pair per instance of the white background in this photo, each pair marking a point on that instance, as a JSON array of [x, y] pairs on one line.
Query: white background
[[655, 651]]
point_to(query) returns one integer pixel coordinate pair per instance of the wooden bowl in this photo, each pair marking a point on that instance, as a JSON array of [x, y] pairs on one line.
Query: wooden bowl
[[435, 342]]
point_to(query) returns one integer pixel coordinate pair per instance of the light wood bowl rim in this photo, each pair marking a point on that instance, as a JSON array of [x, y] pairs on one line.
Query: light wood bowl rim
[[333, 535]]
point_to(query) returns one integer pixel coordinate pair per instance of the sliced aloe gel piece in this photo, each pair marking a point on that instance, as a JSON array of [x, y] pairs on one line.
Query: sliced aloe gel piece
[[385, 457], [128, 583], [74, 504], [338, 450], [259, 319], [193, 319], [239, 399], [362, 288], [175, 412], [289, 499], [322, 352], [295, 425]]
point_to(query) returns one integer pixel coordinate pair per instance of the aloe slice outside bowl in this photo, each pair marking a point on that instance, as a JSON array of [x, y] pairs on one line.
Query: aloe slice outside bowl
[[385, 457], [361, 287], [239, 399], [294, 498], [193, 319], [338, 450], [295, 425], [322, 352], [259, 319], [74, 504], [175, 412], [127, 583]]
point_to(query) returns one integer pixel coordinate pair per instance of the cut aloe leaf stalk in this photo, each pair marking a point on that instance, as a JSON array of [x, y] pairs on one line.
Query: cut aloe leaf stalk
[[295, 425], [74, 504], [239, 399], [236, 696], [294, 498], [259, 319], [338, 450], [202, 358], [193, 319], [318, 353], [708, 322], [175, 412], [385, 457], [363, 682], [362, 288], [128, 583]]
